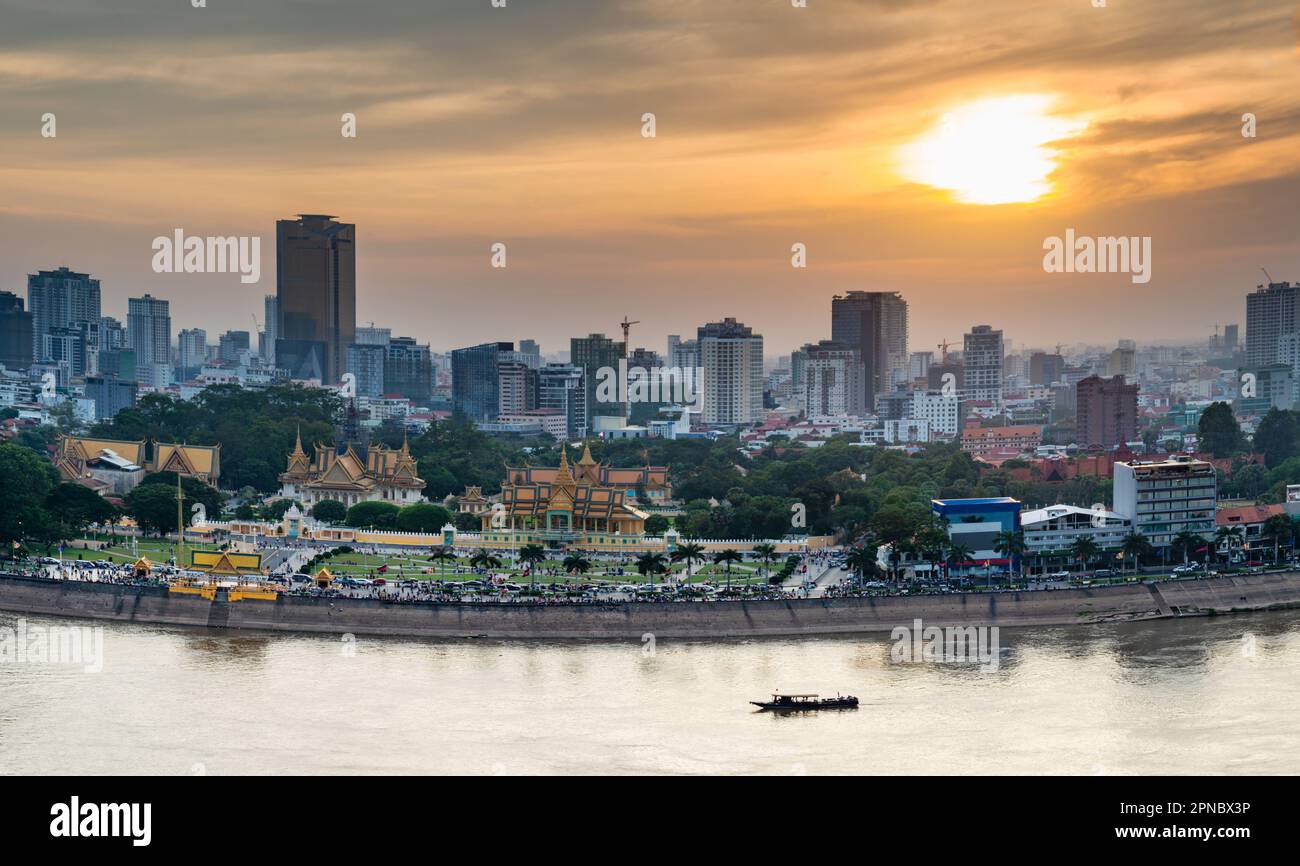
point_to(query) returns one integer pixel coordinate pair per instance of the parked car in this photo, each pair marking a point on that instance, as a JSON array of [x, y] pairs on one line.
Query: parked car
[[1104, 572]]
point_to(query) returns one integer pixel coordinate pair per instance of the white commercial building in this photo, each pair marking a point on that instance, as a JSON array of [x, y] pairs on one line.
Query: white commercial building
[[1163, 498]]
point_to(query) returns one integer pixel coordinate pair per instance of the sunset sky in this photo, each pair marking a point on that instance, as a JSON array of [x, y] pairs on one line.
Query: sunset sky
[[775, 125]]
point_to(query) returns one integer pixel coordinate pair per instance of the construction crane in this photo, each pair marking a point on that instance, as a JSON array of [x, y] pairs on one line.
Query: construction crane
[[627, 327], [1267, 274], [943, 347]]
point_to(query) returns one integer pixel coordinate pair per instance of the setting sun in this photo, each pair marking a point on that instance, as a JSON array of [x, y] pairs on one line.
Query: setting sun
[[991, 151]]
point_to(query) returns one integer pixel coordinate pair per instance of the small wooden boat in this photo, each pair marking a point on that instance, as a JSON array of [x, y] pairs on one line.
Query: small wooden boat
[[804, 703]]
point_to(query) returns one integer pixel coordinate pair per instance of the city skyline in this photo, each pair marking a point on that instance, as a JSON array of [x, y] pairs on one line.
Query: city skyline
[[753, 153]]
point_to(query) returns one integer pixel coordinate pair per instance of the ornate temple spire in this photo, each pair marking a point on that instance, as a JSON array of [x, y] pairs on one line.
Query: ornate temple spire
[[563, 478]]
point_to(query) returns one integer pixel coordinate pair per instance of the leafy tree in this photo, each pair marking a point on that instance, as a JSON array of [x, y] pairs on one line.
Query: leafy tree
[[1137, 547], [25, 482], [154, 508], [375, 513], [77, 506], [765, 552], [193, 491], [689, 553], [466, 522], [329, 511], [728, 558], [1011, 545], [1278, 437], [1228, 537], [656, 524], [442, 555], [1218, 431], [576, 563], [423, 517], [1186, 543], [1085, 550], [485, 559]]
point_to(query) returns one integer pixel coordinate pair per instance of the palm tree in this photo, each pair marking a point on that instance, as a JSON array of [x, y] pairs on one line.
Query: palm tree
[[957, 552], [1137, 546], [1231, 536], [576, 563], [1085, 550], [1011, 544], [1276, 527], [727, 557], [765, 552], [650, 564], [440, 555], [1187, 542], [688, 553], [862, 562], [484, 559], [532, 554]]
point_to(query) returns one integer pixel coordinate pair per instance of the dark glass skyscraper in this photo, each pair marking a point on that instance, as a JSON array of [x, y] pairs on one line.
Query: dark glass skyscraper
[[15, 333], [316, 295], [475, 385], [875, 324]]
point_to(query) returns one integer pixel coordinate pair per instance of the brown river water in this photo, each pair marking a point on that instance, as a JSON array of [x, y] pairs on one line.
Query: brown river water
[[1212, 695]]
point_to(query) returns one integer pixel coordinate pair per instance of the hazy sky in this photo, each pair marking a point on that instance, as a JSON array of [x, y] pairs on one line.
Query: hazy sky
[[775, 125]]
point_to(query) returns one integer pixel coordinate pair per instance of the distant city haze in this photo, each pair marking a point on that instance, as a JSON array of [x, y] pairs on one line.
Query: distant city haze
[[775, 126]]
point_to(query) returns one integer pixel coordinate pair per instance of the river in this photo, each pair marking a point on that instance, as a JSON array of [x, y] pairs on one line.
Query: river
[[1212, 695]]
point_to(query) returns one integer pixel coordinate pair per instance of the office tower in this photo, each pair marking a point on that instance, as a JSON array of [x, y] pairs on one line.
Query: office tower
[[1230, 338], [111, 395], [918, 364], [1045, 368], [532, 350], [112, 334], [982, 365], [732, 357], [1106, 412], [1270, 313], [408, 370], [232, 345], [316, 294], [1164, 498], [372, 336], [65, 346], [16, 352], [1271, 386], [148, 333], [561, 387], [594, 353], [830, 380], [366, 364], [875, 324], [516, 386], [59, 298], [192, 351], [475, 385]]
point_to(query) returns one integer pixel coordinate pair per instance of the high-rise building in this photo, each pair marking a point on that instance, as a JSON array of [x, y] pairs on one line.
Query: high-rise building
[[232, 345], [731, 355], [366, 364], [830, 378], [149, 334], [532, 350], [59, 299], [1270, 312], [516, 387], [192, 350], [1106, 412], [316, 292], [372, 336], [16, 352], [982, 365], [67, 346], [1230, 338], [938, 409], [408, 370], [683, 354], [1122, 361], [875, 324], [561, 387], [1164, 498], [475, 385], [111, 395], [1045, 368], [266, 341], [594, 353]]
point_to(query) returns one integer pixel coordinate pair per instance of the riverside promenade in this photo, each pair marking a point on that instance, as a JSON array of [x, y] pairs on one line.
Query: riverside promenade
[[669, 619]]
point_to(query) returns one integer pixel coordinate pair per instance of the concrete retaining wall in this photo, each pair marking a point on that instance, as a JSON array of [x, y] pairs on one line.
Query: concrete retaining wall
[[666, 620]]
